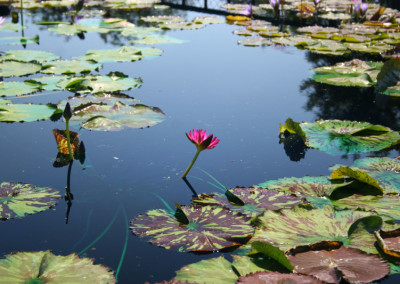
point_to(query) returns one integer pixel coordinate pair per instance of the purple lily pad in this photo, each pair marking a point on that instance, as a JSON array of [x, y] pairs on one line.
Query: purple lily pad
[[277, 278]]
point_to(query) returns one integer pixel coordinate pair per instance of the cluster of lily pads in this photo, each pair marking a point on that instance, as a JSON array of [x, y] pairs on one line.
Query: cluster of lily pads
[[337, 228]]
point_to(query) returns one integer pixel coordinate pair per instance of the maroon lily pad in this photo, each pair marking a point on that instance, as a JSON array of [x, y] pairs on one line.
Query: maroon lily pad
[[277, 278], [207, 228], [343, 263], [389, 242], [256, 200]]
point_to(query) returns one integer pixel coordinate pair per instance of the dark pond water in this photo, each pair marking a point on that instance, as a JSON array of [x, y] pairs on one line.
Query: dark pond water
[[239, 94]]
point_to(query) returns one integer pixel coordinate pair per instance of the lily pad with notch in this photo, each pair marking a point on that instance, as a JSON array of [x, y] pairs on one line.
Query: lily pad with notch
[[194, 228], [45, 267], [18, 199]]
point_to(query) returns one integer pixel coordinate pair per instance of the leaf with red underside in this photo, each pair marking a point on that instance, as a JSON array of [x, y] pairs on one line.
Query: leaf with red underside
[[277, 278]]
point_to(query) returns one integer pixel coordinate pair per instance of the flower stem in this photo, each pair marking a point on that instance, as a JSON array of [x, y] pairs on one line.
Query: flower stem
[[192, 163], [71, 155]]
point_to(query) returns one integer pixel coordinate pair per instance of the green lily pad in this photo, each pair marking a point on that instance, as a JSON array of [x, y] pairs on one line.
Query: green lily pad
[[337, 137], [334, 265], [24, 112], [68, 29], [11, 68], [298, 226], [256, 200], [379, 164], [29, 56], [11, 88], [11, 27], [208, 228], [19, 199], [351, 73], [19, 40], [99, 84], [163, 19], [335, 16], [123, 54], [388, 205], [255, 41], [389, 77], [45, 267], [48, 83], [393, 91], [140, 31], [208, 20], [362, 176], [181, 26], [370, 48], [213, 270], [70, 67], [246, 265], [58, 4], [110, 112], [328, 47]]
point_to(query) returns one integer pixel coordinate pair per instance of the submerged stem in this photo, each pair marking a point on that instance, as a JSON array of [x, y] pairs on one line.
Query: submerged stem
[[192, 163]]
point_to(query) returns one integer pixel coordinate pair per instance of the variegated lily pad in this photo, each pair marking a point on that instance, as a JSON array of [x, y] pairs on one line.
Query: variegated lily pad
[[388, 205], [214, 270], [206, 229], [12, 68], [19, 199], [10, 112], [256, 200], [337, 137], [29, 55], [334, 265], [389, 242], [105, 112], [70, 67], [298, 226], [45, 267], [277, 278], [379, 164]]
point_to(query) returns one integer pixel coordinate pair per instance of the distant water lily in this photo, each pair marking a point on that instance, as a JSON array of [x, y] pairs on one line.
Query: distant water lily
[[202, 141], [275, 5], [2, 20], [248, 11]]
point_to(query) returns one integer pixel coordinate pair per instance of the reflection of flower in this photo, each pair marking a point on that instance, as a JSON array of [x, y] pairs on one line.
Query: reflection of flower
[[2, 20], [202, 142]]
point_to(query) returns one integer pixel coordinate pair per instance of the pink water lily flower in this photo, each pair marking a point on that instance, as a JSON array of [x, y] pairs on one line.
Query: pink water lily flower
[[247, 12], [199, 138]]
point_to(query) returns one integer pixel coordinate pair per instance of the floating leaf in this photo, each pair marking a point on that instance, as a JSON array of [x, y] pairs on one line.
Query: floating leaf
[[362, 176], [12, 68], [328, 47], [208, 20], [255, 41], [29, 56], [61, 140], [99, 84], [19, 40], [351, 73], [45, 267], [274, 253], [139, 31], [11, 89], [292, 127], [209, 229], [105, 112], [163, 19], [256, 200], [180, 26], [19, 199], [158, 39], [389, 76], [389, 242], [337, 137], [277, 278], [246, 265], [214, 270], [70, 67], [11, 27], [24, 112], [333, 265], [48, 83], [378, 164], [299, 226]]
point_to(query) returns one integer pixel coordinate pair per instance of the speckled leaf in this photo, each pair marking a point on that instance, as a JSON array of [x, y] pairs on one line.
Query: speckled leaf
[[389, 180], [45, 267], [99, 84], [213, 270], [362, 176], [388, 205], [277, 278], [209, 229], [25, 112], [12, 88], [333, 265], [19, 199], [299, 226], [12, 68], [337, 137], [29, 55], [70, 67], [105, 112], [61, 140], [256, 200], [378, 164]]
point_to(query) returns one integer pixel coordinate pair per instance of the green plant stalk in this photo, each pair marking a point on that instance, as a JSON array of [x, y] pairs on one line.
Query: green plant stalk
[[71, 155], [192, 163]]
